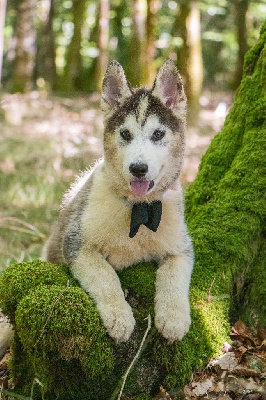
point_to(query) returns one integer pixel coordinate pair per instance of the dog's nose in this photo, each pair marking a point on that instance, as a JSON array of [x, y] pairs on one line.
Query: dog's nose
[[138, 169]]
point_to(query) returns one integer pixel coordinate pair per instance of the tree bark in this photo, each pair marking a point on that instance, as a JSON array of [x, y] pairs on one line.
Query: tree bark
[[102, 43], [241, 8], [149, 68], [73, 57], [137, 49], [46, 67], [25, 49], [2, 25], [190, 57]]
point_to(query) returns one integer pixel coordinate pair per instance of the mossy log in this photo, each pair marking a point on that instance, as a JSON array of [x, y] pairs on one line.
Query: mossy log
[[59, 337]]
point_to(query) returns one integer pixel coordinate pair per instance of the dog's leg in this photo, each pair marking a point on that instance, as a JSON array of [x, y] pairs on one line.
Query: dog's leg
[[172, 310], [101, 282]]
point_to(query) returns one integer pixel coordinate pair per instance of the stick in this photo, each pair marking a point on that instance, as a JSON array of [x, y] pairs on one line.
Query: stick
[[136, 356]]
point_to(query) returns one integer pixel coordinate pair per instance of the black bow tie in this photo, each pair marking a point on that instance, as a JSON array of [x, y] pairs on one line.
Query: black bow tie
[[148, 214]]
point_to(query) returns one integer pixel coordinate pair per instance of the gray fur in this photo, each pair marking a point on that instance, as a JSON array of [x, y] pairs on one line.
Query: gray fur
[[66, 240]]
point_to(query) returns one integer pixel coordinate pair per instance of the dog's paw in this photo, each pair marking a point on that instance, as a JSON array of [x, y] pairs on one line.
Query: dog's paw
[[172, 323], [118, 320]]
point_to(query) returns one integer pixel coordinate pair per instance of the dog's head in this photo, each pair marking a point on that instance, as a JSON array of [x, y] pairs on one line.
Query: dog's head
[[144, 132]]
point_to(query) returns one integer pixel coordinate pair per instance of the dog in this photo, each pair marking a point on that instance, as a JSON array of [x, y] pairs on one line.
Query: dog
[[129, 207]]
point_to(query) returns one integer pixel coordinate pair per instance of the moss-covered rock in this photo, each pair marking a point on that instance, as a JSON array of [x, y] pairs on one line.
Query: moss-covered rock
[[19, 279], [59, 337]]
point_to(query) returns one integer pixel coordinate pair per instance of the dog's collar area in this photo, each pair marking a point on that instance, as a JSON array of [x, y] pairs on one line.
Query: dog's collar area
[[148, 214]]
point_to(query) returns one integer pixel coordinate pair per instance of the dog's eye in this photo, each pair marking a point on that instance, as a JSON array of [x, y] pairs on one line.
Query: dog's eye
[[126, 135], [158, 134]]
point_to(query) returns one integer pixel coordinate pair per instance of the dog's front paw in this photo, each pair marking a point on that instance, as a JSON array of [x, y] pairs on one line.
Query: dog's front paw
[[172, 323], [118, 320]]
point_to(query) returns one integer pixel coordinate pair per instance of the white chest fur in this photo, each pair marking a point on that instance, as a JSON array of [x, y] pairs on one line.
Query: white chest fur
[[106, 224]]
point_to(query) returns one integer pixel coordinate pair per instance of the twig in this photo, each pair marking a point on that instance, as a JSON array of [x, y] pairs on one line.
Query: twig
[[50, 315], [24, 223], [136, 356], [35, 380], [209, 293]]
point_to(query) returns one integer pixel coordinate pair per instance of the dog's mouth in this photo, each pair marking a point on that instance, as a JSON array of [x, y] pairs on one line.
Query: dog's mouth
[[141, 188]]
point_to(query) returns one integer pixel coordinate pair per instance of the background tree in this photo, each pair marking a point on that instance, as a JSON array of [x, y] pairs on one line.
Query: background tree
[[24, 61], [2, 24], [102, 43], [46, 66], [142, 34], [190, 55], [137, 46], [73, 65], [150, 49], [240, 8]]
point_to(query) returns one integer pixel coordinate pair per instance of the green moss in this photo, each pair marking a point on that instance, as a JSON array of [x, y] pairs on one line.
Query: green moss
[[60, 340], [138, 281], [64, 320], [226, 204], [19, 279]]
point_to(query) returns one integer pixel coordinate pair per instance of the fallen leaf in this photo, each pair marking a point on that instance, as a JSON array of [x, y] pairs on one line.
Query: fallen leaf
[[200, 388], [241, 332], [227, 362], [244, 371], [261, 334]]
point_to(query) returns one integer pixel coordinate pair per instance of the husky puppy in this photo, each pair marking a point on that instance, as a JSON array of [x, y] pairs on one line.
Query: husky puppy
[[129, 207]]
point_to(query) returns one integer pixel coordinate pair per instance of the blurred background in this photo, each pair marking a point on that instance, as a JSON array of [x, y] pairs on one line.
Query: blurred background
[[53, 55], [65, 45]]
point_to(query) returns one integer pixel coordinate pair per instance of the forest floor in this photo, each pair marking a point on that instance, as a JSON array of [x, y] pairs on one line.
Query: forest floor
[[45, 141]]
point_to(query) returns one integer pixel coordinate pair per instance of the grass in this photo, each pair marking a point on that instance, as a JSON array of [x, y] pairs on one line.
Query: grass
[[44, 143], [30, 194]]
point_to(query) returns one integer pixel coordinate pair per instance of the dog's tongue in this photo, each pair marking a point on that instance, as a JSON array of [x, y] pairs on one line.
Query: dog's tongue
[[140, 188]]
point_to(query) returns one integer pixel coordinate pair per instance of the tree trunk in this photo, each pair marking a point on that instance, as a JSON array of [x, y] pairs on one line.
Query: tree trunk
[[241, 8], [137, 49], [25, 49], [59, 336], [46, 67], [72, 71], [190, 57], [149, 72], [102, 43], [226, 204], [2, 25]]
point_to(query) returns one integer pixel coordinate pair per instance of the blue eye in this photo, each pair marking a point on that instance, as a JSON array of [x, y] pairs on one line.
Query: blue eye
[[157, 135], [125, 135]]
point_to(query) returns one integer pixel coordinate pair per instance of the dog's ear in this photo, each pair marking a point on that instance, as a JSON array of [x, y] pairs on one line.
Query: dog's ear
[[168, 88], [116, 88]]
